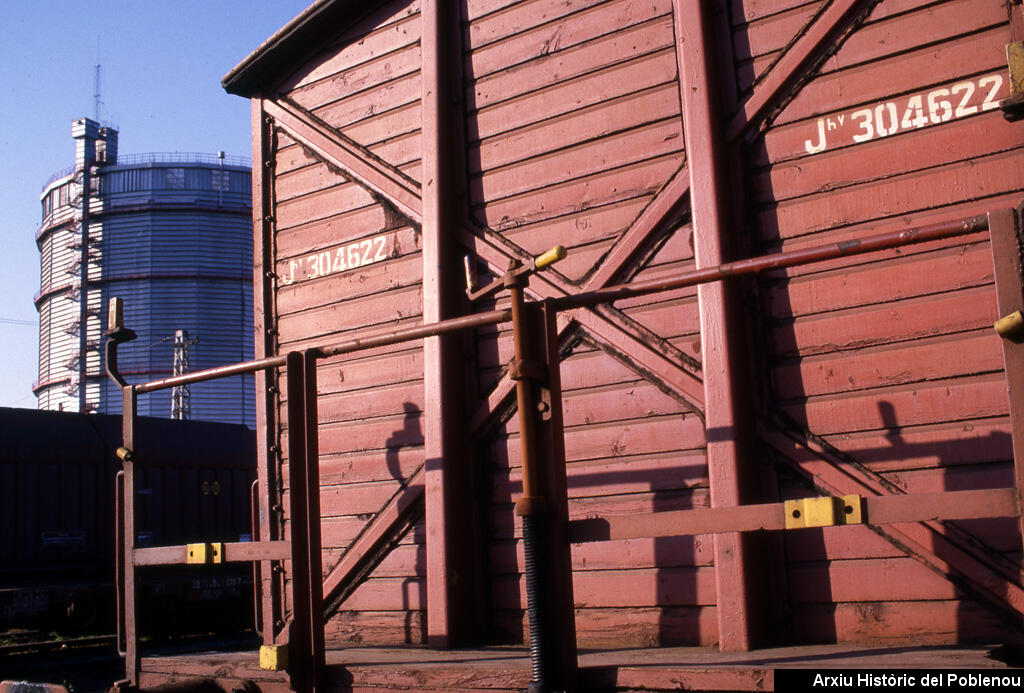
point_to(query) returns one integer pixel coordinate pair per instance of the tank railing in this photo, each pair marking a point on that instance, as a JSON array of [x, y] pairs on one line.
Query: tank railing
[[536, 363]]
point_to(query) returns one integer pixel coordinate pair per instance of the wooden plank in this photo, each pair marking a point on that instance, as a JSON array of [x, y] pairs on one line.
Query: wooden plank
[[614, 628], [867, 580], [954, 268], [402, 59], [337, 149], [587, 159], [620, 475], [828, 28], [572, 197], [908, 319], [952, 556], [920, 360], [336, 469], [589, 89], [665, 204], [770, 34], [522, 73], [358, 314], [395, 272], [956, 399], [320, 205], [593, 225], [394, 92], [838, 543], [377, 434], [987, 176], [309, 178], [392, 519], [935, 445], [889, 30], [377, 628], [623, 588], [507, 556], [347, 227], [933, 65], [487, 25], [880, 159], [505, 524], [362, 44], [652, 435], [891, 623]]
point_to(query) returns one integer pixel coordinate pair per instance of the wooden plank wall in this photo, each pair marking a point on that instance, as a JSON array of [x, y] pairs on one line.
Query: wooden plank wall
[[890, 357], [367, 87], [573, 125]]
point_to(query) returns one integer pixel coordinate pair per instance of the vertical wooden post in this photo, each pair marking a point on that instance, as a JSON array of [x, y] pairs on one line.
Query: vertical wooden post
[[725, 361], [265, 381], [306, 641], [454, 604], [1009, 276]]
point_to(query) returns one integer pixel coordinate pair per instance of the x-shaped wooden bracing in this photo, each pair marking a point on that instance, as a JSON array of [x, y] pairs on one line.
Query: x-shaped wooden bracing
[[659, 359], [649, 352]]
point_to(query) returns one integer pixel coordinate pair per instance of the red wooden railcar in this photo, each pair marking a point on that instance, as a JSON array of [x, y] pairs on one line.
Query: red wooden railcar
[[649, 137]]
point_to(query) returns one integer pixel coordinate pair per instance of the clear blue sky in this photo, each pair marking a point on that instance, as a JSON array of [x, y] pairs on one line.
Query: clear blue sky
[[162, 65]]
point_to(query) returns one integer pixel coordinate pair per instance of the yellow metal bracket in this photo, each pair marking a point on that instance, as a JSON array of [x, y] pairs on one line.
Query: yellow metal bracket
[[824, 511], [273, 657], [204, 553]]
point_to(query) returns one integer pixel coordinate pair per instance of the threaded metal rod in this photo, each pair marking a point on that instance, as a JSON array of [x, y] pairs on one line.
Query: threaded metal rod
[[533, 608]]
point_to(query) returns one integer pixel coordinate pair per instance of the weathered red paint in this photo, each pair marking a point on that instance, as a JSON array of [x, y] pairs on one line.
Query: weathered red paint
[[875, 374]]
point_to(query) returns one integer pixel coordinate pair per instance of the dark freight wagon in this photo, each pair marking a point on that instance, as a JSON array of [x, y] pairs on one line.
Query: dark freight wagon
[[405, 148], [57, 521]]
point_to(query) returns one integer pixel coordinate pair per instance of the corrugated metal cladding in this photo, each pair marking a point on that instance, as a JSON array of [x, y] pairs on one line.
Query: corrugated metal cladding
[[573, 126], [172, 236]]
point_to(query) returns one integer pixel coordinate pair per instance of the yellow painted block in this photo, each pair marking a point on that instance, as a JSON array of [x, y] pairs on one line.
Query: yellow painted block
[[273, 657], [824, 511], [197, 553]]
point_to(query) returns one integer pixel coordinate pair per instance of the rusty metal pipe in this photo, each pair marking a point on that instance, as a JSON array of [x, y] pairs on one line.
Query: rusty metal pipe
[[493, 317], [530, 506], [608, 294], [211, 374], [465, 322], [524, 400], [885, 241]]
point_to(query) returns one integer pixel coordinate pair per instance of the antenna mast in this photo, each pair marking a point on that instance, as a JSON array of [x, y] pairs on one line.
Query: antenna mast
[[97, 93]]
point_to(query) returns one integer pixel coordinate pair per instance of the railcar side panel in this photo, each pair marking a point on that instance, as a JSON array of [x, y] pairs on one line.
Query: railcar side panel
[[889, 358], [573, 134]]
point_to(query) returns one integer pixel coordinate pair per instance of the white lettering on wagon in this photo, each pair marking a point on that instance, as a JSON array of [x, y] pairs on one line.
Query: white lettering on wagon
[[908, 113], [347, 257]]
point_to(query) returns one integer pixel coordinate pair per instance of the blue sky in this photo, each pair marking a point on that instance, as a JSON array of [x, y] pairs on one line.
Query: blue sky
[[162, 65]]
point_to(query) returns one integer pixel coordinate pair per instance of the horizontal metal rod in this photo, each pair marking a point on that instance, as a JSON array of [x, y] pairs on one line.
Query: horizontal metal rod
[[880, 510], [763, 263], [211, 374], [492, 317], [392, 337]]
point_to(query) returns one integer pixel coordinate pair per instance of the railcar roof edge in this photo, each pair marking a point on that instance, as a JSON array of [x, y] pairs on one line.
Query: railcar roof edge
[[293, 44]]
